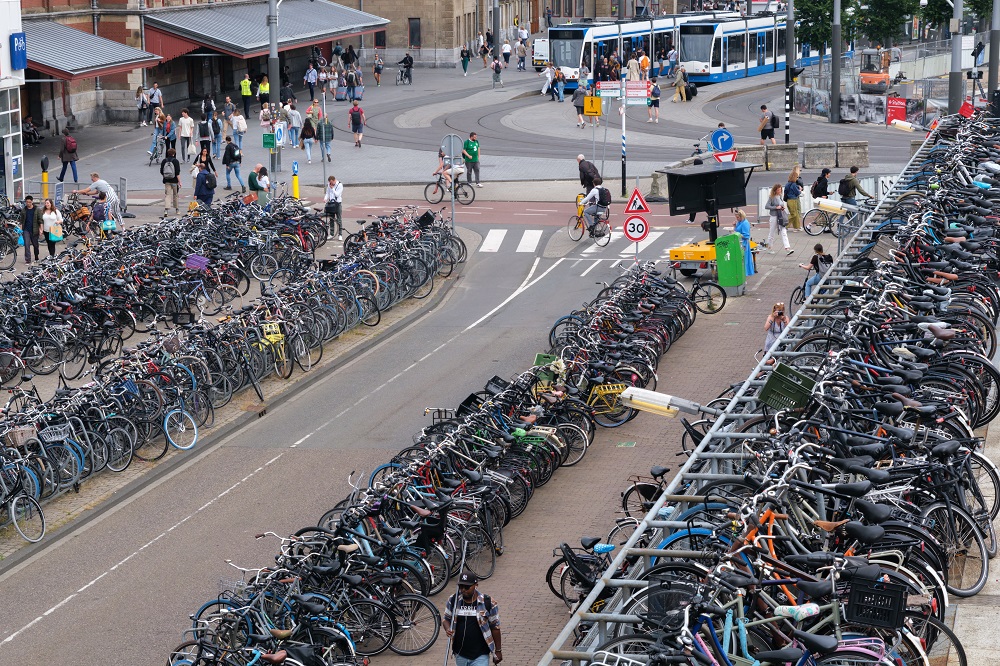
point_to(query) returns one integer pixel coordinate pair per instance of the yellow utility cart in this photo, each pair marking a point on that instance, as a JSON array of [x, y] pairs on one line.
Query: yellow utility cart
[[691, 258]]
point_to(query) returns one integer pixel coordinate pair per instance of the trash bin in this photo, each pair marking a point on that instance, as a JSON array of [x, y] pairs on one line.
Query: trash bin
[[729, 264]]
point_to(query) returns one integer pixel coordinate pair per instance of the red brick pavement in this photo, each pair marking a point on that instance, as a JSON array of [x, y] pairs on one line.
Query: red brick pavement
[[585, 499]]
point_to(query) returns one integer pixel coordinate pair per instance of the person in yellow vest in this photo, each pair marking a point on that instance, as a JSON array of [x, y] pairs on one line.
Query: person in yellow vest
[[263, 92], [246, 94]]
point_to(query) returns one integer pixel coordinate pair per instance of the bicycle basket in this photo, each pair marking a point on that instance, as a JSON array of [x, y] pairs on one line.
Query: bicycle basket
[[6, 343], [469, 406], [18, 435], [544, 360], [786, 388], [230, 587], [196, 262], [56, 433], [496, 384], [875, 603], [172, 345], [272, 331], [129, 386]]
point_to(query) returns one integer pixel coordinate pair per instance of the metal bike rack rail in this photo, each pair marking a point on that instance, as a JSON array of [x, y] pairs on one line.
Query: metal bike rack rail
[[798, 328]]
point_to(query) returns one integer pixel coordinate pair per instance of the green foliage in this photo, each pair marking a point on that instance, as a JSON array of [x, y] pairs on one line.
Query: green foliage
[[983, 9], [937, 13], [813, 21], [882, 20]]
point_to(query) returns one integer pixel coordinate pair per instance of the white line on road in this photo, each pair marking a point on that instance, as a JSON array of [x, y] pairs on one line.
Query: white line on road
[[493, 240], [524, 287], [529, 240], [542, 210], [650, 239], [592, 267], [615, 236], [530, 214]]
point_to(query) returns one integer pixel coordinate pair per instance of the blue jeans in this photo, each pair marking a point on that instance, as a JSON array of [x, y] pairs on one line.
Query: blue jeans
[[589, 213], [62, 174], [559, 88], [812, 282], [293, 135], [238, 139], [351, 92], [847, 200], [308, 143], [327, 148], [235, 168], [152, 144], [478, 661], [217, 146]]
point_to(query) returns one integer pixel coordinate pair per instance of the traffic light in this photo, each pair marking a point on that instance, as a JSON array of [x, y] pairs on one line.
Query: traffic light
[[792, 74]]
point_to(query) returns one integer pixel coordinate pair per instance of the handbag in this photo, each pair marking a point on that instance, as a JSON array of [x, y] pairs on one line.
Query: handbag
[[108, 225], [250, 198], [56, 232], [192, 151]]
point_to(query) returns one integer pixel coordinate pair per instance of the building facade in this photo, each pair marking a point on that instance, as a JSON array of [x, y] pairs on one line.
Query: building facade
[[13, 63]]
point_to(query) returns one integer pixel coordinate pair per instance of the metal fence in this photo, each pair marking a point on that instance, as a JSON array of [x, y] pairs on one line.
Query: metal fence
[[742, 407]]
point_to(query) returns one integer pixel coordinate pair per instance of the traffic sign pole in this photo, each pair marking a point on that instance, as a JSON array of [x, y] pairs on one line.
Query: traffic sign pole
[[623, 109]]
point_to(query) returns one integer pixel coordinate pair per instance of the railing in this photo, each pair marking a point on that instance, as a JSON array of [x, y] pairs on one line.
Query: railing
[[797, 328]]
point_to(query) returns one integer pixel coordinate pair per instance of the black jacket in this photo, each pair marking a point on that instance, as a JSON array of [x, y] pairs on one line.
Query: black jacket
[[232, 155], [822, 187], [588, 172]]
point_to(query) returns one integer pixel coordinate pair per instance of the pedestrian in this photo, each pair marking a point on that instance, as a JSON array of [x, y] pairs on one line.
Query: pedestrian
[[560, 84], [472, 623], [588, 173], [324, 136], [170, 170], [266, 119], [357, 120], [205, 135], [522, 54], [294, 125], [793, 189], [480, 41], [680, 86], [263, 185], [643, 65], [311, 78], [821, 188], [231, 159], [778, 219], [633, 68], [653, 105], [484, 53], [579, 95], [505, 51], [661, 60], [548, 74], [775, 324], [350, 56], [67, 154], [207, 105], [466, 56], [254, 185], [598, 197], [848, 189], [742, 227], [603, 71], [97, 185], [323, 77], [671, 61], [766, 125], [584, 76], [351, 79], [407, 63], [333, 198], [99, 215], [52, 226], [239, 128], [286, 76], [245, 94], [30, 221], [141, 105], [227, 115], [470, 151], [522, 34], [205, 158], [155, 96], [379, 65], [169, 132], [204, 191], [263, 91], [185, 129], [308, 138], [159, 124], [548, 17], [217, 135], [489, 39], [819, 262], [497, 68]]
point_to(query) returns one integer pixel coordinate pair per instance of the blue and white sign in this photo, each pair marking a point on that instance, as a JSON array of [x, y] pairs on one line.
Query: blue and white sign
[[295, 168], [16, 166], [722, 139], [279, 134], [18, 51]]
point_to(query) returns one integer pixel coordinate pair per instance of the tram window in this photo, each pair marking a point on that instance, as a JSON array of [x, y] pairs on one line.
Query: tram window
[[696, 47], [737, 45], [586, 57], [662, 42], [769, 44], [717, 53], [752, 45], [781, 40]]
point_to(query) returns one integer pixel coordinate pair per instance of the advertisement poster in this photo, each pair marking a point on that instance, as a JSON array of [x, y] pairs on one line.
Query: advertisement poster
[[895, 109]]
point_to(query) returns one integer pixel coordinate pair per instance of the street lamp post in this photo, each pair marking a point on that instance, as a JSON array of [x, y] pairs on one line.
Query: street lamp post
[[273, 69], [835, 65], [991, 83], [956, 88]]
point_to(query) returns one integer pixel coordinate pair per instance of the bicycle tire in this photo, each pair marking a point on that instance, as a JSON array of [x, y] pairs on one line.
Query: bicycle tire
[[29, 521], [708, 297], [434, 192], [815, 222], [798, 296], [480, 551], [963, 544], [8, 256], [416, 613], [574, 227], [465, 194], [602, 233], [181, 429], [119, 446], [371, 626]]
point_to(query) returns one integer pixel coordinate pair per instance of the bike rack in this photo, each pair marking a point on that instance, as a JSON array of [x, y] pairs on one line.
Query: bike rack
[[799, 326]]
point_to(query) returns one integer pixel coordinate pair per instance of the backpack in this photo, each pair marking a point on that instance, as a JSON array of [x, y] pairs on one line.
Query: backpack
[[208, 106], [203, 130], [70, 144], [169, 170], [656, 91], [824, 262], [100, 212], [813, 191], [210, 181], [352, 79], [216, 126], [356, 116], [844, 188], [497, 67], [603, 196], [775, 123]]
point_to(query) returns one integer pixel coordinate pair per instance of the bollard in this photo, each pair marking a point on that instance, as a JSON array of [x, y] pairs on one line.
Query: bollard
[[45, 176], [295, 179]]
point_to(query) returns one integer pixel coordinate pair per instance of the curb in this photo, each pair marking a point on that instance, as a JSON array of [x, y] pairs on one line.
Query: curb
[[215, 439], [734, 93]]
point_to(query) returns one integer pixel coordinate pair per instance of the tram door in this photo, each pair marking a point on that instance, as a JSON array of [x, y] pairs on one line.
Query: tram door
[[725, 54], [761, 48]]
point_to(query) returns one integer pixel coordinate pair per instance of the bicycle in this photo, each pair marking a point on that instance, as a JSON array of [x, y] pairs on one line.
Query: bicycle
[[799, 293], [707, 296], [159, 149], [464, 193], [703, 141], [23, 510], [403, 78], [601, 233], [817, 221]]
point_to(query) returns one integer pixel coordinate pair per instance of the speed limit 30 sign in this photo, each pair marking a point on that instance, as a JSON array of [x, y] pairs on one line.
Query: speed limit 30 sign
[[636, 229]]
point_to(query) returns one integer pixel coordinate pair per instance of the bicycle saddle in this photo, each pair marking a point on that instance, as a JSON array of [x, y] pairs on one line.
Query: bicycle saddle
[[588, 543], [858, 489], [658, 471], [866, 534], [797, 613], [350, 579], [814, 589], [602, 548], [945, 449], [815, 643], [370, 559], [391, 531], [782, 656], [873, 513], [472, 475]]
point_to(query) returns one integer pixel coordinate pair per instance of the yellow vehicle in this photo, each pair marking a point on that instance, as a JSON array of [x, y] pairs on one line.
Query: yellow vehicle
[[691, 258]]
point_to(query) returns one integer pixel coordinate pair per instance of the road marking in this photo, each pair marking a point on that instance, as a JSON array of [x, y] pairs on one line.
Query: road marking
[[530, 214], [650, 239], [592, 267], [525, 286], [615, 236], [492, 241], [149, 543], [542, 210], [529, 240]]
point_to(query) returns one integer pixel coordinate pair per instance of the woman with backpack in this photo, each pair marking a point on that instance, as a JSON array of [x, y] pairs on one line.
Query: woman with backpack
[[170, 170], [356, 117], [497, 68], [67, 155]]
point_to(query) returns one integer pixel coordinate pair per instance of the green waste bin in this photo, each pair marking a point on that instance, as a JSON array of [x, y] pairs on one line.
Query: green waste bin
[[729, 261]]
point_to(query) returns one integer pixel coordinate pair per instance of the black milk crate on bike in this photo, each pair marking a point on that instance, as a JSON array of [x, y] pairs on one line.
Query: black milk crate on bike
[[875, 603], [442, 414], [497, 384], [426, 220], [786, 388], [196, 262], [55, 433], [469, 406]]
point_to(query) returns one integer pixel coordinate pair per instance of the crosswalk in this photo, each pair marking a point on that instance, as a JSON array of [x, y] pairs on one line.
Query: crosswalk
[[531, 241]]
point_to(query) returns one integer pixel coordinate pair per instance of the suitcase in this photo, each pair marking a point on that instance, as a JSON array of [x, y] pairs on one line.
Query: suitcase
[[341, 94], [692, 90], [359, 92]]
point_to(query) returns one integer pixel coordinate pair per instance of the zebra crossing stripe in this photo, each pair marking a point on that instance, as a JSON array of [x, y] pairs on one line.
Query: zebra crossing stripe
[[529, 240], [493, 240]]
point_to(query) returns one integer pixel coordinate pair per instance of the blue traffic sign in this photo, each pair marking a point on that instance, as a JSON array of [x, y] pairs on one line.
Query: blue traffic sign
[[295, 168], [722, 140]]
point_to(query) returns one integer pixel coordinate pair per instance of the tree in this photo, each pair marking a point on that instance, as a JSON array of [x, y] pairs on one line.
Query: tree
[[937, 13], [814, 25], [882, 20]]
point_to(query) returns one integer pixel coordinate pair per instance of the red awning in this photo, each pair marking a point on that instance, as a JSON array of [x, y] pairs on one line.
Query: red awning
[[167, 45]]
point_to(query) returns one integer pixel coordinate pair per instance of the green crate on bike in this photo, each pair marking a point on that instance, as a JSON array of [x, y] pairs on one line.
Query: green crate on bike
[[786, 388], [545, 359]]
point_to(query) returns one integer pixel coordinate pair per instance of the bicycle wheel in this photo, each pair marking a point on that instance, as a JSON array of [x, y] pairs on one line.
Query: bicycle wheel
[[480, 551], [434, 193], [708, 297], [181, 430], [119, 447], [602, 233], [371, 626], [574, 227], [440, 568], [464, 194], [815, 222], [639, 499], [962, 539], [798, 296], [11, 366], [8, 256], [418, 622], [576, 442], [28, 519]]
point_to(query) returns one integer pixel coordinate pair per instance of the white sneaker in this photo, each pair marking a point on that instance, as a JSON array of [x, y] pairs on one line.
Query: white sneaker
[[657, 121], [479, 184], [650, 120]]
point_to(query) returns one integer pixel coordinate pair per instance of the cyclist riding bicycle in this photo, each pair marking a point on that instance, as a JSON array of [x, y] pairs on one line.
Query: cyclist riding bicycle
[[596, 200], [447, 171], [407, 63]]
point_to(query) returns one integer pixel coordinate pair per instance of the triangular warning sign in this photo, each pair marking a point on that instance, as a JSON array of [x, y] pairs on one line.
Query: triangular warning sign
[[636, 204]]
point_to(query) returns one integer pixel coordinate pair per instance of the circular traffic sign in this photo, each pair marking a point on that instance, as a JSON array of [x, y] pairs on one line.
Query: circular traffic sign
[[722, 139], [636, 229]]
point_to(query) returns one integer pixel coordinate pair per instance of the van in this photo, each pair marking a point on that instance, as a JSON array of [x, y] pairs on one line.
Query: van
[[539, 53]]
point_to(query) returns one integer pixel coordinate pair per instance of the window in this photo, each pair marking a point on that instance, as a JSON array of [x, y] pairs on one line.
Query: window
[[380, 39], [662, 41], [580, 9], [781, 41], [752, 47], [737, 45], [696, 44], [717, 52], [414, 33], [566, 52], [769, 44]]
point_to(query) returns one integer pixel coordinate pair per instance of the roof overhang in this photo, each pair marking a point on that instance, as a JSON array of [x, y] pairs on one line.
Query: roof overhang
[[63, 52]]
